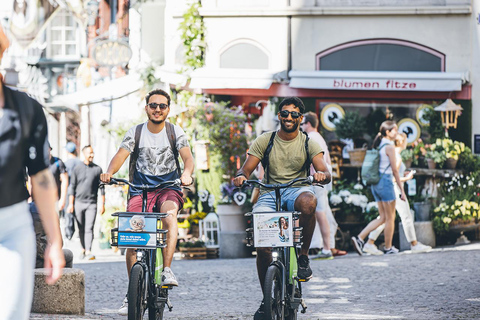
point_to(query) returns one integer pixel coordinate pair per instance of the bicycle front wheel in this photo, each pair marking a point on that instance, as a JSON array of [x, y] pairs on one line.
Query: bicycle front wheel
[[272, 292], [155, 313], [136, 293]]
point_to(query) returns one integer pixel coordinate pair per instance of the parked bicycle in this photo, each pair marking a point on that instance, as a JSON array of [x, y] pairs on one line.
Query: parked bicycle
[[142, 230], [282, 288]]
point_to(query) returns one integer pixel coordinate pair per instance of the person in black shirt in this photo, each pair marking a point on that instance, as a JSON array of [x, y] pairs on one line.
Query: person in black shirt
[[83, 193], [59, 172], [23, 143]]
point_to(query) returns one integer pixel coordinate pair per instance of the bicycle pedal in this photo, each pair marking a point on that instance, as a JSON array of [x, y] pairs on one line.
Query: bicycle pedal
[[304, 306]]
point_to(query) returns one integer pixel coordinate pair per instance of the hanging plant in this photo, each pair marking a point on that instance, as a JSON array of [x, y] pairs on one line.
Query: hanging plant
[[193, 36]]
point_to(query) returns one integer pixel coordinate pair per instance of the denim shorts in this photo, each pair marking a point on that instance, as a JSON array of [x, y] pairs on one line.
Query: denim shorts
[[266, 202], [383, 191]]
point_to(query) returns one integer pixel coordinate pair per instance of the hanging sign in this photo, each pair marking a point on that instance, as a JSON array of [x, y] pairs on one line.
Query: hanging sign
[[420, 112], [411, 128], [112, 53], [331, 113]]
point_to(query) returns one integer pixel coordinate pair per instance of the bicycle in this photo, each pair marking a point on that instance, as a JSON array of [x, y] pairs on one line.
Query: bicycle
[[145, 290], [282, 288]]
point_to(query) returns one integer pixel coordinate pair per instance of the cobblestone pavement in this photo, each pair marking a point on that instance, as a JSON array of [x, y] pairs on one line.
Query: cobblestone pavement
[[442, 284]]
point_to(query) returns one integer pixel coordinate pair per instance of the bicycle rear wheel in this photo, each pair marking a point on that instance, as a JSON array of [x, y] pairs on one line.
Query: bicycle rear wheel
[[272, 294], [136, 293]]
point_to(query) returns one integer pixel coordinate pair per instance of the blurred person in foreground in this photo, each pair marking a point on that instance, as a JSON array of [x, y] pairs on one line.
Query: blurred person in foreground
[[23, 143]]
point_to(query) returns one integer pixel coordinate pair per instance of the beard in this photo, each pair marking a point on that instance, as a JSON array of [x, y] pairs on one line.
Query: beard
[[151, 118], [289, 130]]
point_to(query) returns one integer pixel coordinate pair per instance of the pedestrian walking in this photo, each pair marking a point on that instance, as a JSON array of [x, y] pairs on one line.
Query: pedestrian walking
[[59, 172], [310, 125], [402, 207], [289, 144], [70, 164], [83, 191], [23, 143], [153, 148], [384, 191]]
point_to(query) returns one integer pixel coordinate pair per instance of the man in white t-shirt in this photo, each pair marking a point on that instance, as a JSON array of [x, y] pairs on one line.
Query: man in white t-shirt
[[326, 221], [155, 164]]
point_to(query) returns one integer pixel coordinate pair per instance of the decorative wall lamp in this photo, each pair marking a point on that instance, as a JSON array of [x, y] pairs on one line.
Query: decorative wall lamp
[[450, 112]]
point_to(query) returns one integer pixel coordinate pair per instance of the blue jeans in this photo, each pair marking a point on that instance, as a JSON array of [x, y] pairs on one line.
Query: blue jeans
[[383, 190], [17, 256], [266, 202]]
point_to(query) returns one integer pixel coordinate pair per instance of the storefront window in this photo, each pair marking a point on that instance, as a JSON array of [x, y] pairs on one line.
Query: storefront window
[[381, 55]]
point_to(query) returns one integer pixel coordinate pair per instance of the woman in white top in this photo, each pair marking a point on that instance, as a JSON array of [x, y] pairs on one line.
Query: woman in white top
[[402, 207], [384, 191]]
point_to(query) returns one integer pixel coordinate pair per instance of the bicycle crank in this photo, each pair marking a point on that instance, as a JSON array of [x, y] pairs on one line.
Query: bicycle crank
[[304, 306]]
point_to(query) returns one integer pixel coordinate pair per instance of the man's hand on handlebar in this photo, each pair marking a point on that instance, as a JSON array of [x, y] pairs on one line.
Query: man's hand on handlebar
[[105, 177], [238, 181], [320, 177], [186, 179]]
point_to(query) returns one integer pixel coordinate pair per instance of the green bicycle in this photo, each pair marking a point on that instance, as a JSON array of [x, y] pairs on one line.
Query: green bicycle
[[142, 230], [282, 288]]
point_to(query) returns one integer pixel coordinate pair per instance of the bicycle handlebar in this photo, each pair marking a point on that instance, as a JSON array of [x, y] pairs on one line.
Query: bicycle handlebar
[[308, 180], [176, 182]]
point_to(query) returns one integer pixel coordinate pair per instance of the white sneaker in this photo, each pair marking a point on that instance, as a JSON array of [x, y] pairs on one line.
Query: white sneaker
[[372, 249], [123, 311], [392, 250], [420, 247], [168, 278]]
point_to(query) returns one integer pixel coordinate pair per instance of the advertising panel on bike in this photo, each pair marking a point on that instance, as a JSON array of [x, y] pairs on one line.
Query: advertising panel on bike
[[273, 229], [137, 230]]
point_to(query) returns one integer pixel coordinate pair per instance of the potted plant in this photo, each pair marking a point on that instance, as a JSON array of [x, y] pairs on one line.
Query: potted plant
[[353, 126], [453, 150], [193, 249], [407, 157], [351, 199], [434, 157], [419, 152]]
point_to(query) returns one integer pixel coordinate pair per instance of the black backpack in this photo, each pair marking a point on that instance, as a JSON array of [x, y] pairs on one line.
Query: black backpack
[[172, 138], [266, 155]]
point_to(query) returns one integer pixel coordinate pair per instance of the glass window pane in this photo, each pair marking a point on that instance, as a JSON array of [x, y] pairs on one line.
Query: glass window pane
[[71, 50], [56, 50], [56, 35], [70, 35]]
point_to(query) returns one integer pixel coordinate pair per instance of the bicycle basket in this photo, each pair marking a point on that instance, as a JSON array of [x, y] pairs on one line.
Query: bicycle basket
[[274, 229], [139, 230]]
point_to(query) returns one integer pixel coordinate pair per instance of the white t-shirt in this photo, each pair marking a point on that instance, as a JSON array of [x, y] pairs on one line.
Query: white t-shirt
[[156, 162]]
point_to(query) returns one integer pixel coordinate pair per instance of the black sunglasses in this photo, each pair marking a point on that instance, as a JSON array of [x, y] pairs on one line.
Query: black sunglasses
[[154, 106], [285, 113]]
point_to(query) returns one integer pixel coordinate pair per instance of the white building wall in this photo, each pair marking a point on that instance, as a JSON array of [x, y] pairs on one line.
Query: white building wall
[[450, 35], [475, 67]]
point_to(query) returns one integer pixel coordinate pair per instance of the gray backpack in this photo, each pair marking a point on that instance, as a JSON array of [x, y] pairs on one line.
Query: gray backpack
[[371, 166]]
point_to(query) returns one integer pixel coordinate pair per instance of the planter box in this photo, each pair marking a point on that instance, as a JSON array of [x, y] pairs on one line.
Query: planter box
[[193, 253]]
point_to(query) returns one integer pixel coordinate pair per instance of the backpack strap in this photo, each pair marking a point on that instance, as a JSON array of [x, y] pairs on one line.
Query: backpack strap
[[379, 148], [308, 162], [266, 155], [134, 155], [172, 138]]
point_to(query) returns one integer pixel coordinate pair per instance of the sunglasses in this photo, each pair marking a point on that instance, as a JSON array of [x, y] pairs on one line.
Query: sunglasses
[[154, 106], [285, 113]]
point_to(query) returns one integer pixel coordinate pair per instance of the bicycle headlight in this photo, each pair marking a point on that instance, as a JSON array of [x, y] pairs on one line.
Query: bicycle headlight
[[274, 256], [139, 255]]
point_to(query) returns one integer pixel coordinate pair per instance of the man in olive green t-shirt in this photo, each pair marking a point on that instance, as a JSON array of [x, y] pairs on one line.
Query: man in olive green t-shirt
[[286, 162]]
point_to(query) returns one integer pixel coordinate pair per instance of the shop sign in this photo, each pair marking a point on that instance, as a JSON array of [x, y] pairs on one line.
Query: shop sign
[[411, 128], [112, 53]]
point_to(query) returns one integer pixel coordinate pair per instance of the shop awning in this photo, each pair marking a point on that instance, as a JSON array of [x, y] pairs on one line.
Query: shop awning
[[107, 91], [214, 78], [171, 75], [378, 81]]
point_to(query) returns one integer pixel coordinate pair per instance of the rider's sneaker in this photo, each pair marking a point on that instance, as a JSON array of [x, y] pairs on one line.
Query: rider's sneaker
[[260, 314], [168, 278], [304, 270], [123, 311]]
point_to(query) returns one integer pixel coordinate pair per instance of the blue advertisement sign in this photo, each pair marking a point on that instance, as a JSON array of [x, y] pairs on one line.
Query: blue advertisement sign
[[137, 239]]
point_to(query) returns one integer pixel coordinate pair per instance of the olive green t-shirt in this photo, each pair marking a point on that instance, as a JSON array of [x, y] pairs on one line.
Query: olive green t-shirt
[[287, 158]]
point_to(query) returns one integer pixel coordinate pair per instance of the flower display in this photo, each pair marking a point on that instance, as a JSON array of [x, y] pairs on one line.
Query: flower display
[[351, 199], [460, 210]]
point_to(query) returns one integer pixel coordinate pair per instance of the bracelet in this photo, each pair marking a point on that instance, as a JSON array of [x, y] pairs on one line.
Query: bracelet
[[240, 174]]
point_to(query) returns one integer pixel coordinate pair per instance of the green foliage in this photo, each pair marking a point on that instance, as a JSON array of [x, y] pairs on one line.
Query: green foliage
[[193, 36], [226, 132], [374, 120], [437, 156], [352, 198], [351, 126], [147, 75], [435, 129], [469, 161], [407, 154]]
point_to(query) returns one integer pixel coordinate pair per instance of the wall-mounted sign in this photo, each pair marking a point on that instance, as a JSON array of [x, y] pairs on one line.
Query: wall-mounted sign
[[331, 113], [111, 53], [420, 112], [411, 128]]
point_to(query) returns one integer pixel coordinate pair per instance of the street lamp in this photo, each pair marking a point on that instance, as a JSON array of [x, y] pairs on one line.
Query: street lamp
[[92, 12], [450, 112]]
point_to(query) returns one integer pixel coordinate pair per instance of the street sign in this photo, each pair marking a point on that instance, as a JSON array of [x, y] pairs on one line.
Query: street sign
[[112, 53]]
